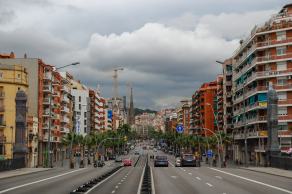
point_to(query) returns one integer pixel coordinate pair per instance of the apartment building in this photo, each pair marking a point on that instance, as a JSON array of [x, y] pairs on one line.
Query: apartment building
[[227, 96], [183, 114], [13, 78], [218, 104], [32, 142], [81, 108], [203, 109], [263, 58], [97, 110]]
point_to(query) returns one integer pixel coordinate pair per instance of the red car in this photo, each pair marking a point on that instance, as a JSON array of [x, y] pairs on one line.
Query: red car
[[127, 162]]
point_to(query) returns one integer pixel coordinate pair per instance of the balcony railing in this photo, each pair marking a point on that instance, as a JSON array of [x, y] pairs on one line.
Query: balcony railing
[[65, 89], [2, 94], [274, 42], [48, 75], [47, 88], [274, 57], [65, 99], [65, 109], [46, 101]]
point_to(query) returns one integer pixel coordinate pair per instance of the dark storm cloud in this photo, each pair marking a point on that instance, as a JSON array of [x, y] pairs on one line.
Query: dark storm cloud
[[167, 47]]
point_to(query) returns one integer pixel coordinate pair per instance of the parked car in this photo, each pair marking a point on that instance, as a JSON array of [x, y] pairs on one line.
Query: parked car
[[118, 159], [137, 152], [178, 162], [154, 150], [188, 160], [127, 162], [161, 161]]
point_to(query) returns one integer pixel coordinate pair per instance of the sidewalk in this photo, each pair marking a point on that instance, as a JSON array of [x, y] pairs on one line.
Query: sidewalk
[[22, 171], [269, 170]]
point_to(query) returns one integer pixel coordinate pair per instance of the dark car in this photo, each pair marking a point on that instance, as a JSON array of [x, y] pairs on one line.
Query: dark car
[[160, 161], [188, 160]]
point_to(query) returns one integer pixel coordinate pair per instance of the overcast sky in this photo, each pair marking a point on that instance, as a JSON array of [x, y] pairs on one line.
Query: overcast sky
[[167, 47]]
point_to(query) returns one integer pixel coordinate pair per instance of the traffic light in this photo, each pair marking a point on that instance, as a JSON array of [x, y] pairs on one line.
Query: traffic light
[[125, 138]]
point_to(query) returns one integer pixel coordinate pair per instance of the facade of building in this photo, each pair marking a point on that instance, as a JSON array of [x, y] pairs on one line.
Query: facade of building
[[32, 142], [218, 104], [202, 109], [13, 78], [263, 58], [81, 108], [183, 116]]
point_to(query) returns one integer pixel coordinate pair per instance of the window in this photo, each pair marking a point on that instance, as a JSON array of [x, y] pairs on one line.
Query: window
[[282, 111], [79, 98], [281, 66], [85, 114], [282, 126], [18, 76], [1, 75], [84, 121], [85, 129], [281, 51], [281, 35], [281, 81], [282, 95], [79, 106]]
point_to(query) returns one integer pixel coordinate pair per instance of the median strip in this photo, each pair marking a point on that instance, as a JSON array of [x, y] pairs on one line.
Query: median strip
[[93, 183]]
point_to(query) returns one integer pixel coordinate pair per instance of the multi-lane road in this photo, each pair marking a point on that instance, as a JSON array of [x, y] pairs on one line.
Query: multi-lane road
[[167, 180]]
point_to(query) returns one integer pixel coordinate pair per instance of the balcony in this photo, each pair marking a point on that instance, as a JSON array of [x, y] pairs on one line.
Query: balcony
[[274, 58], [56, 116], [2, 108], [245, 55], [285, 102], [65, 119], [48, 75], [65, 99], [274, 42], [47, 88], [65, 130], [46, 113], [65, 109], [2, 124], [46, 101], [2, 94], [45, 125], [65, 89]]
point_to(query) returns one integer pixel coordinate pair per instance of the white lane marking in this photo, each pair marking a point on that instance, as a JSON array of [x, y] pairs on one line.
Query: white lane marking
[[190, 173], [119, 183], [141, 179], [42, 180], [254, 181], [174, 177], [113, 191], [103, 181], [152, 181], [209, 184], [219, 177], [117, 187], [122, 180], [171, 164], [198, 178]]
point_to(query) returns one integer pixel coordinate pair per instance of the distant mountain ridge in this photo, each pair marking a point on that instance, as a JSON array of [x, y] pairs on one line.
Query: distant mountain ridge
[[139, 111]]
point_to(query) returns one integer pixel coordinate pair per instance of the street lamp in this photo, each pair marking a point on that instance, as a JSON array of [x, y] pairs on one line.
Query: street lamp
[[218, 144], [208, 104], [50, 114]]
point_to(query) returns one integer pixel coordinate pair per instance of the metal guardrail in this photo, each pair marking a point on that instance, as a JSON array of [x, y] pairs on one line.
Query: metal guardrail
[[12, 164], [146, 187], [93, 182]]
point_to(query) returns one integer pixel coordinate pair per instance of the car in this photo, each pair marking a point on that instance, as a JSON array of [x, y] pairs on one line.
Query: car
[[178, 162], [170, 152], [154, 150], [188, 160], [137, 152], [127, 162], [118, 159], [161, 161]]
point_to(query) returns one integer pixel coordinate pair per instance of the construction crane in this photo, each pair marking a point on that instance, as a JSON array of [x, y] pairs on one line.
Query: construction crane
[[116, 90]]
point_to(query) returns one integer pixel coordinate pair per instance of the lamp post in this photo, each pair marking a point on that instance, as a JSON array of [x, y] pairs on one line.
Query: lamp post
[[223, 155], [218, 144], [50, 114]]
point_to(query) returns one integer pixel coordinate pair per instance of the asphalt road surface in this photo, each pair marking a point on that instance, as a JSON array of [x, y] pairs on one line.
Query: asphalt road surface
[[167, 180]]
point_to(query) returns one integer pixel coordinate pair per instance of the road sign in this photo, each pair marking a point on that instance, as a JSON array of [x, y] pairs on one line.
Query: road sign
[[210, 153], [179, 128]]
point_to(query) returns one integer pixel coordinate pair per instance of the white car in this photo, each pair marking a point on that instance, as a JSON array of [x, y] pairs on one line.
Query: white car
[[154, 150]]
